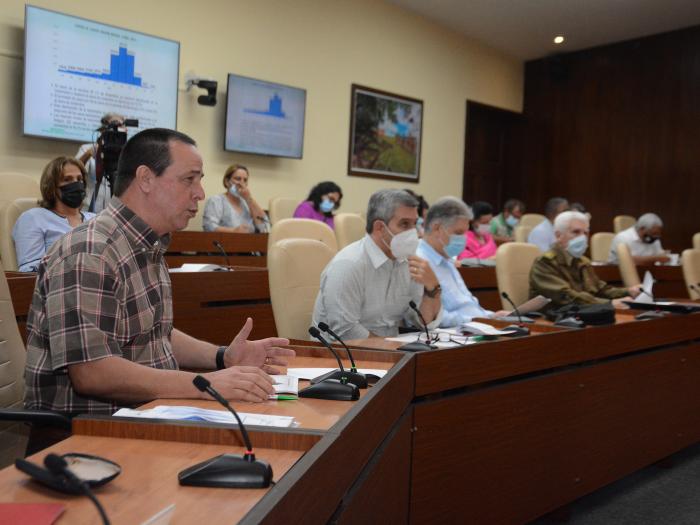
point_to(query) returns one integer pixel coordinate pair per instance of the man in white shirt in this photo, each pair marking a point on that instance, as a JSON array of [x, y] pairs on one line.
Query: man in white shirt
[[542, 235], [367, 287], [643, 240], [445, 237]]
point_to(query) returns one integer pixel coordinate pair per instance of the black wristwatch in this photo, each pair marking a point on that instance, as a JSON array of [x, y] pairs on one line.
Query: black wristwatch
[[434, 292], [220, 357]]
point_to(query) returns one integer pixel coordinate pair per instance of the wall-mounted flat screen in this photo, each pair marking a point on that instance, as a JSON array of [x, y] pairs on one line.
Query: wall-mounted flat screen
[[264, 118], [76, 70]]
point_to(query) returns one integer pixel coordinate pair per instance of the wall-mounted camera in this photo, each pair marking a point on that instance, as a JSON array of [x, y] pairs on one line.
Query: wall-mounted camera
[[204, 83]]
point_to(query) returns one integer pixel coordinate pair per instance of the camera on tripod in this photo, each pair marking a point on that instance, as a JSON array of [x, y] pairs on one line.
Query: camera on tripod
[[112, 141]]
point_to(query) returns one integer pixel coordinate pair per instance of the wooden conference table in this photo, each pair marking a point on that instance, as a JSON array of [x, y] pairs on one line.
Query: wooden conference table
[[495, 432]]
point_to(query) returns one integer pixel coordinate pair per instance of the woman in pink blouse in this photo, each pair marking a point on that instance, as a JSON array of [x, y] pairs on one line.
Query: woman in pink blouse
[[322, 201], [480, 243]]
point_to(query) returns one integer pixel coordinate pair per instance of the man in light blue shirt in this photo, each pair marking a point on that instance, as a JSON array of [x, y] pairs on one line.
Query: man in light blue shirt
[[445, 237], [542, 235]]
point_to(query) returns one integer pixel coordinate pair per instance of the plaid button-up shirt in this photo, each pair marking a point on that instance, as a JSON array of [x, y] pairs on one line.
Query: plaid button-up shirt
[[102, 290]]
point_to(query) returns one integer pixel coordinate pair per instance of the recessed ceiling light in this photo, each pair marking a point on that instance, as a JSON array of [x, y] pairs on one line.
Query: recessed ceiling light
[[558, 39]]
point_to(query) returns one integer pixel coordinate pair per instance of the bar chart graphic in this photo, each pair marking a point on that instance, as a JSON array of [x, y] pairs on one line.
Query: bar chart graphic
[[121, 69], [274, 108]]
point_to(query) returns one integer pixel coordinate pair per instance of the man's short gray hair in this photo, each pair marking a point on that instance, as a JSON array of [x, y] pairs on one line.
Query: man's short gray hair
[[383, 204], [648, 221], [565, 218], [446, 211]]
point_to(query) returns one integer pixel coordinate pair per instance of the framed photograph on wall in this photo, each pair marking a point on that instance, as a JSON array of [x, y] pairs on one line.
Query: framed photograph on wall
[[385, 135]]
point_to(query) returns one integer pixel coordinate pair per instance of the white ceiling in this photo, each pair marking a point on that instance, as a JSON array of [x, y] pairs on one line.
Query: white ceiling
[[525, 28]]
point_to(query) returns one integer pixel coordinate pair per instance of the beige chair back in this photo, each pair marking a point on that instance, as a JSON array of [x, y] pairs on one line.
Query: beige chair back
[[600, 246], [521, 232], [628, 270], [295, 267], [16, 185], [349, 227], [691, 272], [13, 436], [302, 229], [513, 263], [9, 213], [531, 219], [622, 222], [282, 208], [696, 241]]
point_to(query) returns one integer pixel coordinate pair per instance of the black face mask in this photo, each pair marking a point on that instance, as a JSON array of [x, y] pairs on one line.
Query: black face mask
[[72, 194], [649, 239]]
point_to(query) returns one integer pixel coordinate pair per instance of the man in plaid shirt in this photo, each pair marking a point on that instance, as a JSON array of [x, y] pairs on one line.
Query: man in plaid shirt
[[100, 328]]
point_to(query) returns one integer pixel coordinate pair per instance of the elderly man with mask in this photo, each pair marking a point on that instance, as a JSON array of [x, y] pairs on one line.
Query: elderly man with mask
[[565, 276], [445, 237], [367, 287], [643, 240]]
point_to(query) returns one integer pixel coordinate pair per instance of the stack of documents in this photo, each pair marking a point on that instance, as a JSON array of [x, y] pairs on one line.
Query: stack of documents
[[286, 387], [201, 414]]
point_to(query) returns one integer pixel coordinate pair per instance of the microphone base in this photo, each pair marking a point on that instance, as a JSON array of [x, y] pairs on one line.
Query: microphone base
[[228, 471], [517, 331], [357, 379], [332, 389], [416, 347]]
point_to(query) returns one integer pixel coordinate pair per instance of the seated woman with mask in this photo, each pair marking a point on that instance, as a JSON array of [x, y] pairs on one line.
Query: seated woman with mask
[[323, 200], [480, 243], [62, 192], [234, 211]]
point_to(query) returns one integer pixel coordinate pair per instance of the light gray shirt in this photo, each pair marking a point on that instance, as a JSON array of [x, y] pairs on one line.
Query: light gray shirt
[[363, 291], [219, 212], [542, 235], [638, 248]]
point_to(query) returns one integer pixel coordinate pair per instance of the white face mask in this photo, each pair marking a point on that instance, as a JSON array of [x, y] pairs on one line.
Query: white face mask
[[403, 244]]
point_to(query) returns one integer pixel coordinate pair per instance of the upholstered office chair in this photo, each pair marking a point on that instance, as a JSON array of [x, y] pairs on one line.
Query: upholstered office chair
[[696, 241], [513, 263], [691, 272], [628, 270], [622, 222], [302, 229], [9, 213], [295, 267], [282, 208], [600, 246], [349, 227], [531, 219], [522, 232], [16, 185], [13, 432]]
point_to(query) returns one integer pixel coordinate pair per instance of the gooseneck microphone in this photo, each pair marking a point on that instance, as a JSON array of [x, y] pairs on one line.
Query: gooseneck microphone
[[519, 329], [335, 386], [227, 470], [415, 308], [418, 346], [220, 247], [59, 467], [342, 375], [353, 375]]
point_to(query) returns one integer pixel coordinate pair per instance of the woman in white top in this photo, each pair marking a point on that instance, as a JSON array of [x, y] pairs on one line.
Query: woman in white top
[[62, 193], [235, 211]]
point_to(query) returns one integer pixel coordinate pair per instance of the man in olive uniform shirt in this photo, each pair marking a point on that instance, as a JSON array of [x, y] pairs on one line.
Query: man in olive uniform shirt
[[565, 276]]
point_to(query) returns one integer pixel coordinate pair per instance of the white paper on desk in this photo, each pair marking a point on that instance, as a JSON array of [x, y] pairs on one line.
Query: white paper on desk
[[477, 328], [192, 267], [533, 305], [647, 286], [455, 338], [287, 385], [310, 373], [202, 414]]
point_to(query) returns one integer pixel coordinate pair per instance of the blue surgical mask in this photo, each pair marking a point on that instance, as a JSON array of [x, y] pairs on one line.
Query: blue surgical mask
[[455, 245], [326, 205], [512, 221], [233, 190], [577, 246]]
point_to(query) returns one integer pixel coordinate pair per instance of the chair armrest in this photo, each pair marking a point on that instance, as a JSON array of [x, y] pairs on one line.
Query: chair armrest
[[44, 417]]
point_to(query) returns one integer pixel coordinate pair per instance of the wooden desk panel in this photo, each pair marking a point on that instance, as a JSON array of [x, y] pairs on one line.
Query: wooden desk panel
[[148, 482], [199, 247], [516, 450]]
